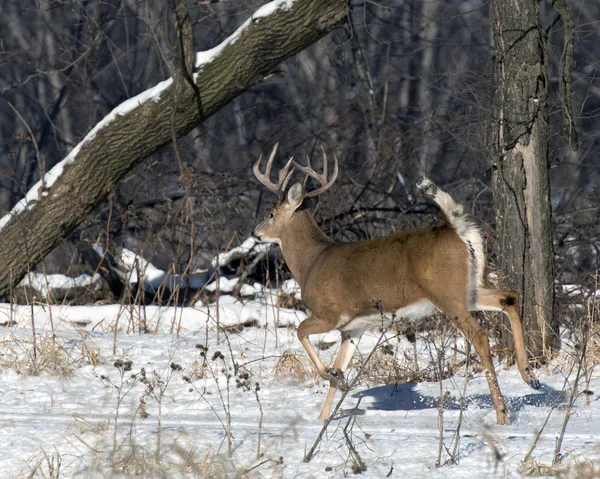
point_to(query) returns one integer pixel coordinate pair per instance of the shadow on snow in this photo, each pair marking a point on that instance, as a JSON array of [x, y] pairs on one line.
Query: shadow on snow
[[404, 397]]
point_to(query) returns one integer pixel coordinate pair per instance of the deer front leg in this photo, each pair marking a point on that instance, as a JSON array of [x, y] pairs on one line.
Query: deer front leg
[[334, 375], [313, 325], [347, 350]]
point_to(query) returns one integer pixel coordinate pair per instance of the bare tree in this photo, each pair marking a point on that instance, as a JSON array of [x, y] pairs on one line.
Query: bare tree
[[138, 128], [520, 164]]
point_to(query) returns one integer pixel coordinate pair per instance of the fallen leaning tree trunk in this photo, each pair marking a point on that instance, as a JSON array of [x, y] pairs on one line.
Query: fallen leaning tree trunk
[[141, 125], [124, 277], [127, 274]]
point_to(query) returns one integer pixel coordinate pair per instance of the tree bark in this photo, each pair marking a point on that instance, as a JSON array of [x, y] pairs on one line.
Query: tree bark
[[520, 165], [30, 234]]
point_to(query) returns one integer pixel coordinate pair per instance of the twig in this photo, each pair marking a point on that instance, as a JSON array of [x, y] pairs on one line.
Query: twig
[[566, 71], [438, 462], [581, 358], [39, 158], [440, 364], [527, 457], [337, 407], [260, 422], [462, 408], [359, 464]]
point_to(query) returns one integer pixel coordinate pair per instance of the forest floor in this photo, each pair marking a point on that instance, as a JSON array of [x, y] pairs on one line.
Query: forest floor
[[183, 400]]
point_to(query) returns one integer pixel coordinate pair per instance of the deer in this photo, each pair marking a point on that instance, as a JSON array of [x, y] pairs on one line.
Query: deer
[[351, 287]]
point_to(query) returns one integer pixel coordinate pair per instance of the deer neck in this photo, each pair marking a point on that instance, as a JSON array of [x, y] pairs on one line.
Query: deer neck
[[301, 244]]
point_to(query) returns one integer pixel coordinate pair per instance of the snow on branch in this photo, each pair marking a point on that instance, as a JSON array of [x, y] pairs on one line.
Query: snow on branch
[[205, 57], [250, 245]]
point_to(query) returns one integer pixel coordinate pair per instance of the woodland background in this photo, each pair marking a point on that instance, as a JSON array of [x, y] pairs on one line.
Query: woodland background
[[405, 88]]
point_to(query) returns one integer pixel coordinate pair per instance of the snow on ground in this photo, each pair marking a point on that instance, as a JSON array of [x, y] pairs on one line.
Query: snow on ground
[[82, 401], [157, 319]]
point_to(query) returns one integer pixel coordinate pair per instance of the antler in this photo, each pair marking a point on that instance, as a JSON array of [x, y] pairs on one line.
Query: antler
[[321, 178], [265, 178]]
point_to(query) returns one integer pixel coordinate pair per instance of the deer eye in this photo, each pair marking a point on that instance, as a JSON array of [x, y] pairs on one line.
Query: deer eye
[[271, 216]]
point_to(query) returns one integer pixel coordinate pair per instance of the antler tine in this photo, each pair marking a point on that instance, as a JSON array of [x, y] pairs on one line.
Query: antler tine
[[324, 162], [306, 177], [265, 178], [321, 178], [284, 175]]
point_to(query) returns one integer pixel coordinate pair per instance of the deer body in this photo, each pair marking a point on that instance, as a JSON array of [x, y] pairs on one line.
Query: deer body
[[405, 276], [350, 280]]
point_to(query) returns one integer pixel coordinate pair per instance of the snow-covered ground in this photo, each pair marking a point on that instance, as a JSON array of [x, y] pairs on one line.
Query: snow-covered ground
[[99, 404]]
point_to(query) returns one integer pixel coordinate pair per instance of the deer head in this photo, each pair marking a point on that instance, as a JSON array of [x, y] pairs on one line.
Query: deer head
[[290, 209]]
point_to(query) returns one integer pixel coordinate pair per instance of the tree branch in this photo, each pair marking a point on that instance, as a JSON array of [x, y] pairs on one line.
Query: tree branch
[[141, 125]]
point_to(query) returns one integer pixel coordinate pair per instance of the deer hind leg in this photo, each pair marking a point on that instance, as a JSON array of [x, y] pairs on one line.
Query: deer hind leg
[[478, 337], [507, 302], [347, 349]]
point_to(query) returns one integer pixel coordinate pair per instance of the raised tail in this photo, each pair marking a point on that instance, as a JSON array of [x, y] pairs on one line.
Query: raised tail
[[467, 230], [449, 207]]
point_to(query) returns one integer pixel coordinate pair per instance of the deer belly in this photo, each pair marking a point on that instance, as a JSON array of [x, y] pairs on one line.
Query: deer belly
[[411, 312]]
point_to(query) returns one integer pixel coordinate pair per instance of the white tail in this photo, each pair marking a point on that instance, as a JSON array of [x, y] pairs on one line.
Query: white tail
[[467, 230], [408, 275]]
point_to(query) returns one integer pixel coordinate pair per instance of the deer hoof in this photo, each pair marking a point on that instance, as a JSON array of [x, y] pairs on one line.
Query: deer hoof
[[534, 383]]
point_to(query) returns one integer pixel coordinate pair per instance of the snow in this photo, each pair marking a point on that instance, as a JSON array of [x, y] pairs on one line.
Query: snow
[[41, 282], [291, 287], [224, 285], [152, 277], [574, 290], [78, 403], [133, 268], [249, 244], [205, 57], [137, 268], [156, 319]]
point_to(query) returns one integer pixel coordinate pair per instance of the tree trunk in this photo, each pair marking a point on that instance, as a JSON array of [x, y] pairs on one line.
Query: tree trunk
[[116, 148], [520, 164]]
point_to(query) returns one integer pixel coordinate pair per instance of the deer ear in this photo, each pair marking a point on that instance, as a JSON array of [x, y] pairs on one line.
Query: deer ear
[[295, 195]]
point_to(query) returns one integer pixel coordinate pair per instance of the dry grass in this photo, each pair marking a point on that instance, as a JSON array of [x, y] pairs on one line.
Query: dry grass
[[384, 368], [535, 469], [133, 459], [583, 334], [587, 469], [197, 370], [593, 346], [53, 356], [290, 301], [581, 469], [293, 366]]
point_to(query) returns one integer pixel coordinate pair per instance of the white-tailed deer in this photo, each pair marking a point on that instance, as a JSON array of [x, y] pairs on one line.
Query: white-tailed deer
[[408, 275]]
